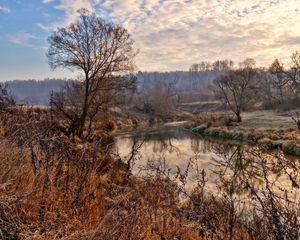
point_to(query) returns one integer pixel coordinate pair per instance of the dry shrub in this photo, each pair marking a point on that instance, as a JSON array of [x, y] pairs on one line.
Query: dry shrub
[[62, 179], [214, 119], [10, 223], [147, 209], [107, 126]]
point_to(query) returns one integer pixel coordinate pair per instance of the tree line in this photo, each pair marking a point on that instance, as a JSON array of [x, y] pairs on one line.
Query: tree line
[[218, 65]]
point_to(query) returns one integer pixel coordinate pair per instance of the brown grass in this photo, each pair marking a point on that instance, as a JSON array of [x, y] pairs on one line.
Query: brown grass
[[55, 187]]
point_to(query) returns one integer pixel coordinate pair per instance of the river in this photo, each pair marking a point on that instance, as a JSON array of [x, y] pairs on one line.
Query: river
[[229, 166]]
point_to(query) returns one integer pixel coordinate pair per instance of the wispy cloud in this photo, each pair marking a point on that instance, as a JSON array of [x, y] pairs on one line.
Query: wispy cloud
[[48, 1], [44, 27], [4, 10], [22, 38]]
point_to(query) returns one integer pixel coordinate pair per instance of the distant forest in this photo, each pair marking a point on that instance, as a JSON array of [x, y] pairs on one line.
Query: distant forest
[[34, 92], [37, 92]]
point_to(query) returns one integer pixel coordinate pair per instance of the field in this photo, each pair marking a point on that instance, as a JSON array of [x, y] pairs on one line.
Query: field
[[266, 120]]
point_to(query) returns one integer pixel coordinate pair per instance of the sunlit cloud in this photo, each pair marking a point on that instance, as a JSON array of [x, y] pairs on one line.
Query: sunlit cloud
[[71, 7], [171, 35]]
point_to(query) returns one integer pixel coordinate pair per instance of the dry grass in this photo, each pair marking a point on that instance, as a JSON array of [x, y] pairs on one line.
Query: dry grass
[[266, 120], [268, 128], [65, 187], [55, 187], [215, 119]]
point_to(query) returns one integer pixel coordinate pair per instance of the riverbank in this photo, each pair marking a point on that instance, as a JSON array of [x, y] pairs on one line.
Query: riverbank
[[130, 119], [269, 129]]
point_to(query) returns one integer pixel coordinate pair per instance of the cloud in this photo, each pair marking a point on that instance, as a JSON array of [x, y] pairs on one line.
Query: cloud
[[48, 1], [71, 7], [22, 38], [43, 27], [4, 10], [171, 35]]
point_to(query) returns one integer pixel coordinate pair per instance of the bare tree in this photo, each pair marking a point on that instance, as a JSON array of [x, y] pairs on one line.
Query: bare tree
[[219, 65], [279, 78], [236, 87], [195, 67], [222, 65], [287, 80], [161, 100], [103, 52], [287, 83], [294, 75]]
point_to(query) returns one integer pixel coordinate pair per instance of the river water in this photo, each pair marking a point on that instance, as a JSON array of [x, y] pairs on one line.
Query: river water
[[229, 166]]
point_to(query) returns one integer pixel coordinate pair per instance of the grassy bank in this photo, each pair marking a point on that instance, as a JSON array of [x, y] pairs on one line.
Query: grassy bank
[[269, 129]]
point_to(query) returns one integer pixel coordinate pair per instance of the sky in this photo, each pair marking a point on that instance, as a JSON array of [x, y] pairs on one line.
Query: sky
[[169, 34]]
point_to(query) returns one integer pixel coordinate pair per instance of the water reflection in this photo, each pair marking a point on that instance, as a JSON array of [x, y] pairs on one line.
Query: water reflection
[[252, 170], [230, 167], [175, 146]]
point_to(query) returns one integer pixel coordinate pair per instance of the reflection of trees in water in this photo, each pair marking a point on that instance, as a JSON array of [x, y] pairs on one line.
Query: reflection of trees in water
[[258, 189], [162, 142], [271, 182], [256, 186], [202, 145], [240, 167], [166, 142], [163, 145]]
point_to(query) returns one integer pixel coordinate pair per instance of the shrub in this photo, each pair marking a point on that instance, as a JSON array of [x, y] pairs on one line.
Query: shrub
[[291, 148]]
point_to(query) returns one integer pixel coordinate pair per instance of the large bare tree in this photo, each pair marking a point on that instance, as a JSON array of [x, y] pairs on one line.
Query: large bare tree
[[103, 52], [237, 87]]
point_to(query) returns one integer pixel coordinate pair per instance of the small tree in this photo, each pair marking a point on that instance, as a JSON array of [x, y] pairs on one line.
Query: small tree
[[237, 87], [294, 75], [5, 98], [296, 118], [160, 100], [279, 78], [103, 52], [287, 80]]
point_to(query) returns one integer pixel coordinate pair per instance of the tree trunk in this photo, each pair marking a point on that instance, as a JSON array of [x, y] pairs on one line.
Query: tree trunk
[[85, 106], [238, 117], [81, 125]]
